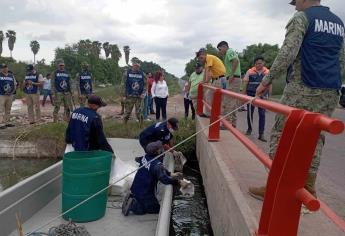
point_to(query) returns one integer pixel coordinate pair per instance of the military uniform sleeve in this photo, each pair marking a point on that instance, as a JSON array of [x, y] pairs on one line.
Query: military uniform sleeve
[[164, 176], [124, 83], [93, 81], [295, 31], [342, 59]]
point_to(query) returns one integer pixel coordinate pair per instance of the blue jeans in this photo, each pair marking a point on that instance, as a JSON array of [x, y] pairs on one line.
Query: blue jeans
[[261, 118], [150, 107], [146, 107]]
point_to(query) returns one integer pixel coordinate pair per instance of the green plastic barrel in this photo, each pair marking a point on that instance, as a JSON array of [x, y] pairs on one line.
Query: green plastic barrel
[[84, 174]]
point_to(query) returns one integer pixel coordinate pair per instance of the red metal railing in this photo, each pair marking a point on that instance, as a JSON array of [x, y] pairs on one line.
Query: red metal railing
[[285, 191]]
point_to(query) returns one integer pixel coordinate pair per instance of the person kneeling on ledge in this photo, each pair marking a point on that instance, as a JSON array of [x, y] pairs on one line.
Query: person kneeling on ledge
[[142, 200]]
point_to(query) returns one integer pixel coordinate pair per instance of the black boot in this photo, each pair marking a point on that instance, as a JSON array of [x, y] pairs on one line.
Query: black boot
[[249, 132], [262, 138]]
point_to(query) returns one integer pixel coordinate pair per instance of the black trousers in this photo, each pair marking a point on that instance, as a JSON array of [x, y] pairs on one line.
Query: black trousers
[[161, 105], [188, 103]]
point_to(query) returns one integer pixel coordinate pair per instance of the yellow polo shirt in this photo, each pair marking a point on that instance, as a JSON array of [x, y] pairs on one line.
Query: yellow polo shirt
[[216, 66]]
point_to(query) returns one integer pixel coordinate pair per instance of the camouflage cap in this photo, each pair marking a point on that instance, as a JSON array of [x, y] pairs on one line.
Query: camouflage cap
[[293, 2], [60, 62]]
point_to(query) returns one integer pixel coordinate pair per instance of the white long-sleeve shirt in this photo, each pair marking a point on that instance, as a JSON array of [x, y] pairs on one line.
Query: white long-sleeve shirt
[[160, 89]]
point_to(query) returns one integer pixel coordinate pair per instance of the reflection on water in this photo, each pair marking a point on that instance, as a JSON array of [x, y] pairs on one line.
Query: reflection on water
[[190, 215], [14, 171]]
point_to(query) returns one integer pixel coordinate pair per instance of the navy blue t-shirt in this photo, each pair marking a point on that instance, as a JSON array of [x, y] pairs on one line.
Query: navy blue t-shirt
[[155, 132]]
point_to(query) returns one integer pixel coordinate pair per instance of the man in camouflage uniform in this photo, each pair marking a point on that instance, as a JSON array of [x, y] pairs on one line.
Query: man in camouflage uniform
[[313, 51], [62, 91], [32, 82], [135, 84], [123, 91], [84, 84]]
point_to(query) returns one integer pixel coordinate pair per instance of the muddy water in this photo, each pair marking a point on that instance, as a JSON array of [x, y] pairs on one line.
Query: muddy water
[[190, 215], [14, 171]]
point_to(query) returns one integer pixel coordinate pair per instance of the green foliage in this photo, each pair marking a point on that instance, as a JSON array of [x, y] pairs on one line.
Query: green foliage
[[186, 129], [104, 70], [11, 35], [126, 50], [269, 52], [110, 94], [2, 37]]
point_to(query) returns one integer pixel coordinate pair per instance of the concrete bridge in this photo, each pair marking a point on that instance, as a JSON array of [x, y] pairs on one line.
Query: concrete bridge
[[228, 168]]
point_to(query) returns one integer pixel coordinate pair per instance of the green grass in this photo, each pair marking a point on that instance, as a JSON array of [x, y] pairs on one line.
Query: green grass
[[51, 131], [113, 129], [111, 94]]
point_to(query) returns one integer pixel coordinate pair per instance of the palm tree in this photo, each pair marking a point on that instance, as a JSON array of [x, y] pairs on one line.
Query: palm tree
[[96, 48], [107, 50], [126, 49], [115, 53], [35, 47], [2, 37], [11, 35]]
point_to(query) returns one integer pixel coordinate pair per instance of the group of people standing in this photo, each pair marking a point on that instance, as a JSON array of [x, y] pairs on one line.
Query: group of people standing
[[226, 74], [141, 90], [56, 85]]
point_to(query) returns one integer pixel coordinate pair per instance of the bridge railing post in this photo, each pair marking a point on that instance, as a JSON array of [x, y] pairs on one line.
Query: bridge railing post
[[214, 130], [200, 97], [283, 200]]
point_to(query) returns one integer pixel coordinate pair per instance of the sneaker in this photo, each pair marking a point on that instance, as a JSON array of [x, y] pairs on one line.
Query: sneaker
[[222, 127], [257, 193], [10, 125], [126, 204], [204, 115], [148, 119], [3, 127], [249, 132]]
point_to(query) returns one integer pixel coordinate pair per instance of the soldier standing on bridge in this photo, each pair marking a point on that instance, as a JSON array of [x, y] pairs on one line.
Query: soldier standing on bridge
[[62, 91], [85, 82], [313, 51]]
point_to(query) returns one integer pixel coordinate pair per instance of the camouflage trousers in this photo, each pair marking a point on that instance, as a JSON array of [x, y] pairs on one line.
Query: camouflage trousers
[[131, 102], [296, 94], [66, 100], [5, 108], [33, 101]]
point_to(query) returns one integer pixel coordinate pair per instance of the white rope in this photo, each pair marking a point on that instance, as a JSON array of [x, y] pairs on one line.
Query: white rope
[[125, 176]]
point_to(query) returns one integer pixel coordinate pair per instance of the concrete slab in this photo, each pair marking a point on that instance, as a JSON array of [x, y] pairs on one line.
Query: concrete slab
[[245, 170]]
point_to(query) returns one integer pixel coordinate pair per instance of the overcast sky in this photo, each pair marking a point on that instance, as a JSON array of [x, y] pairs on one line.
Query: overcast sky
[[167, 32]]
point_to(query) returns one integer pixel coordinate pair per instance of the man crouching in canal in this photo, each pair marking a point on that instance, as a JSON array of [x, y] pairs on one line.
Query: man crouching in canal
[[142, 200], [85, 128]]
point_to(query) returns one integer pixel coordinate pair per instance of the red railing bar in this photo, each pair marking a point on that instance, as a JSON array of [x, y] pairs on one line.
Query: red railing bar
[[303, 195], [258, 153], [330, 125], [207, 105], [308, 199], [331, 214]]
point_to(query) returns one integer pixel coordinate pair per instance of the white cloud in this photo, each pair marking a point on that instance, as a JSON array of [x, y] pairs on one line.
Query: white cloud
[[167, 32]]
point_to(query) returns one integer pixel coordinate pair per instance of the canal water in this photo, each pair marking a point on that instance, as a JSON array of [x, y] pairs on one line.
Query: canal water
[[190, 214], [14, 171]]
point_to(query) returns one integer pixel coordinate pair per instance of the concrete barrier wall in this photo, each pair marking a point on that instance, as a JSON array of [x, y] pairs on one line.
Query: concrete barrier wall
[[229, 211]]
